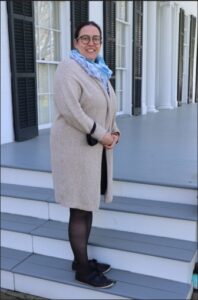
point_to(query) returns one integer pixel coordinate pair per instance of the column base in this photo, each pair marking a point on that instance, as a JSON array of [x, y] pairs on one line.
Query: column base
[[165, 107], [152, 109]]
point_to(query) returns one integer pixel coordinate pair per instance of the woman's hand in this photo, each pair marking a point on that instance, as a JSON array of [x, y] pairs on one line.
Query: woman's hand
[[107, 139], [115, 137]]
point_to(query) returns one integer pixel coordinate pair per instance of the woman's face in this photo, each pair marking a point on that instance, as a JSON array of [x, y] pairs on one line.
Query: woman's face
[[88, 42]]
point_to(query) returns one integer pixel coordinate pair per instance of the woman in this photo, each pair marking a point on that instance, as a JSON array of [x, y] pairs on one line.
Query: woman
[[82, 139]]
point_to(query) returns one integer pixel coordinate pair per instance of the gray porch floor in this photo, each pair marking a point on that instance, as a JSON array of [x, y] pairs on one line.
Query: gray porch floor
[[157, 148]]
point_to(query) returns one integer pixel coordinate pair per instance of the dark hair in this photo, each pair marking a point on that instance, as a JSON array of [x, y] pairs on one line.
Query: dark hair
[[86, 24]]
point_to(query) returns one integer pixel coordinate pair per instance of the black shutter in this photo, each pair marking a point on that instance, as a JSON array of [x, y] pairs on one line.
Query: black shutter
[[180, 57], [191, 57], [79, 12], [23, 68], [109, 25], [137, 56]]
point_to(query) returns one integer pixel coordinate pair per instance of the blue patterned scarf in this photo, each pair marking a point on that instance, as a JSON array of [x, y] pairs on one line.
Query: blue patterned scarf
[[97, 69]]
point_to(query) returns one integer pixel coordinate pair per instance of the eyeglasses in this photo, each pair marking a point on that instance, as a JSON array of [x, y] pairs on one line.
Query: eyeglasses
[[85, 39]]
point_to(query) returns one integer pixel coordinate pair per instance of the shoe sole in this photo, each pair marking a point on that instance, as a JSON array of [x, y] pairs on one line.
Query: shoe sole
[[107, 270], [100, 287]]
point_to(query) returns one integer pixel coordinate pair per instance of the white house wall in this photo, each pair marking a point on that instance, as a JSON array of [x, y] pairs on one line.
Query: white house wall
[[7, 134]]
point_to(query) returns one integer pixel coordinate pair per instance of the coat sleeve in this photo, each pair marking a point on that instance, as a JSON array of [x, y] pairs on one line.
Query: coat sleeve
[[67, 99], [115, 128]]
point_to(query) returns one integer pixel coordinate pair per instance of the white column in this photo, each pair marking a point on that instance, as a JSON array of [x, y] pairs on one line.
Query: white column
[[175, 50], [151, 55], [165, 56], [195, 62], [7, 132], [96, 15], [144, 64], [186, 59]]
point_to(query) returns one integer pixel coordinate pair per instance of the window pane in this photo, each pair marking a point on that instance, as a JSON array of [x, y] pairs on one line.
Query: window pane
[[118, 33], [52, 69], [47, 35], [121, 10], [55, 46], [118, 54], [119, 88], [37, 43], [123, 40], [43, 11], [36, 12], [54, 15], [44, 44], [118, 80], [53, 108], [43, 78], [44, 109], [123, 64]]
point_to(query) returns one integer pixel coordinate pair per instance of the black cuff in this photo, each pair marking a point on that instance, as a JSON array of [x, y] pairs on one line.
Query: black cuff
[[93, 128]]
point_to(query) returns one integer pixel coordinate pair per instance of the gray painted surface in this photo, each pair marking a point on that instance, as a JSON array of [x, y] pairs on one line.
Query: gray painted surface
[[27, 192], [122, 204], [108, 238], [157, 148], [132, 285]]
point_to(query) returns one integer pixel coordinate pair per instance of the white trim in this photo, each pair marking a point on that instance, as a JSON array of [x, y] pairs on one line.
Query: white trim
[[7, 280], [127, 70], [7, 130], [127, 101], [155, 192], [44, 126], [25, 207], [17, 240], [65, 26], [50, 289]]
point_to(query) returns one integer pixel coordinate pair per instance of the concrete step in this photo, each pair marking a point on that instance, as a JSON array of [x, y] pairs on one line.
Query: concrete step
[[53, 278], [152, 217], [39, 178], [145, 254]]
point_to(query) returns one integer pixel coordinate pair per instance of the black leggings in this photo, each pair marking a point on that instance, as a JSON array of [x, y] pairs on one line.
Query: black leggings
[[80, 223], [79, 230]]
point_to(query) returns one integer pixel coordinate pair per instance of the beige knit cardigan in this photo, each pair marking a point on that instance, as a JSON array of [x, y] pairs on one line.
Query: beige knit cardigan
[[76, 167]]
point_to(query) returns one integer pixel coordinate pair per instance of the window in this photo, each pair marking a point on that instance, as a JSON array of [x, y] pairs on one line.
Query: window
[[47, 30], [121, 50]]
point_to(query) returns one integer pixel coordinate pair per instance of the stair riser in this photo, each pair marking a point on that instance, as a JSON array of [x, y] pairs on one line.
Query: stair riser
[[55, 290], [138, 263], [7, 280], [158, 226], [120, 188]]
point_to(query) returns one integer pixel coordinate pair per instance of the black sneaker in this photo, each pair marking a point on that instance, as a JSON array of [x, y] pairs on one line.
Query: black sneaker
[[94, 264], [95, 279]]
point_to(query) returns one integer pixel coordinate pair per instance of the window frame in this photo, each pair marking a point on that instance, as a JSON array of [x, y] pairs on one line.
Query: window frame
[[127, 74], [64, 48]]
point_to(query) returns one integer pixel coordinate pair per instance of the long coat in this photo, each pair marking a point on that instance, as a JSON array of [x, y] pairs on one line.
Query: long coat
[[76, 167]]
